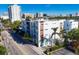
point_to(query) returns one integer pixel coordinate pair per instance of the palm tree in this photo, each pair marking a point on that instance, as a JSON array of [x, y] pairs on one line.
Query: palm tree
[[51, 41], [53, 34]]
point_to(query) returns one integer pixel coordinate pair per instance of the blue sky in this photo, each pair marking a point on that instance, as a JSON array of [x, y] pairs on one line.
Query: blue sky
[[45, 8]]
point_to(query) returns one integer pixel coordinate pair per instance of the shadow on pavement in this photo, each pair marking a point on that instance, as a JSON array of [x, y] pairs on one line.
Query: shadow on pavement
[[16, 37]]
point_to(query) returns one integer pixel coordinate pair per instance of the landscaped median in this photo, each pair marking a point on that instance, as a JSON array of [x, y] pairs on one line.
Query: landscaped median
[[53, 49]]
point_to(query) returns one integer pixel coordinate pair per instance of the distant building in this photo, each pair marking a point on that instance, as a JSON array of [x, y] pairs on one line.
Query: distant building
[[76, 14], [37, 15], [25, 15], [4, 16], [14, 12]]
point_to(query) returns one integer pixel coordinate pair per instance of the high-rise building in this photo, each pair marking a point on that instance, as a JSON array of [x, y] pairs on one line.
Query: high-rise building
[[14, 12]]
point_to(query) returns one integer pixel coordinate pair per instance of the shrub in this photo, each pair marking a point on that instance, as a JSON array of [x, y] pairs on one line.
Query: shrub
[[2, 50]]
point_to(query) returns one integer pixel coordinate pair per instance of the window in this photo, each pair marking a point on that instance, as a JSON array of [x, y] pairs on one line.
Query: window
[[45, 23], [41, 21], [41, 30], [53, 23], [42, 24], [46, 29], [67, 25]]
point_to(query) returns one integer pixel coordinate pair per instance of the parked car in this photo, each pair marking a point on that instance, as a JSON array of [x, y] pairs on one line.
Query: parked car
[[70, 47]]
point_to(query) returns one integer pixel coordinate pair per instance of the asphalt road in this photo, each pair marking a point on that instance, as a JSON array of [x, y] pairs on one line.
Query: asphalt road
[[63, 52], [26, 46], [17, 46], [12, 48]]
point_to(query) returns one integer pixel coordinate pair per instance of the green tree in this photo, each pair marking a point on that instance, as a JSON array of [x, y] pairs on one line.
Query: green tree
[[27, 36], [28, 17], [15, 25], [74, 36], [6, 23]]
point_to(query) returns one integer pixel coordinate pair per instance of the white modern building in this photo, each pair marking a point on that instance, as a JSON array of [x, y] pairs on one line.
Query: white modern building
[[14, 12], [41, 30], [70, 24]]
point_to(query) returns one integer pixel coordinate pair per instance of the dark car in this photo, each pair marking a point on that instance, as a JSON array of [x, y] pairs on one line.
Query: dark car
[[69, 46]]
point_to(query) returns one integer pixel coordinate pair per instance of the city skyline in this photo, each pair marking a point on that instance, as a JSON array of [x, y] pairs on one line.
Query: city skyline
[[45, 8]]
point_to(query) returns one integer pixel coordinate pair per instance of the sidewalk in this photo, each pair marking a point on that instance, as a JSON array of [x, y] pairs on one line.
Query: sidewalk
[[38, 50]]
